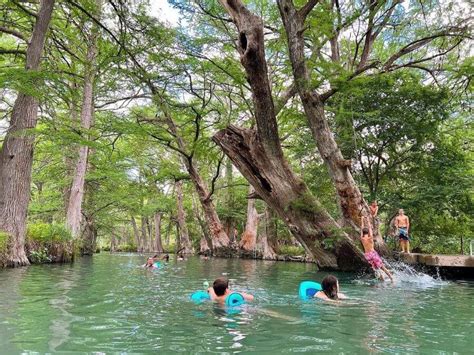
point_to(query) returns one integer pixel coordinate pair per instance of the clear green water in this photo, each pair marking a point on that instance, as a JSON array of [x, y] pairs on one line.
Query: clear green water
[[107, 304]]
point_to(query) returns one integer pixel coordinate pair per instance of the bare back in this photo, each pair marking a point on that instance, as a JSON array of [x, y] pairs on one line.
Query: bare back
[[368, 243]]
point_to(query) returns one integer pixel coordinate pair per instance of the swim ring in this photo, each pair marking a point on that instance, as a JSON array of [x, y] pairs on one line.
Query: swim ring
[[308, 289]]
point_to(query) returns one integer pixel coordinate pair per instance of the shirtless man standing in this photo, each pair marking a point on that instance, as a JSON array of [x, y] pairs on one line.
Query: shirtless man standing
[[402, 223]]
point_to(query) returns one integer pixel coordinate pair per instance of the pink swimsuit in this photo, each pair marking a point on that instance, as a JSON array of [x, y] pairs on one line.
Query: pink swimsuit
[[374, 259]]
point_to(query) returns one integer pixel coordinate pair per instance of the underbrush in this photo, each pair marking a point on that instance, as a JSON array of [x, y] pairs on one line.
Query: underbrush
[[49, 243], [291, 250]]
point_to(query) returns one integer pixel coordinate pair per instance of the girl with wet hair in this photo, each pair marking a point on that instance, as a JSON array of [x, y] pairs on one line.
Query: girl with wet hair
[[330, 289]]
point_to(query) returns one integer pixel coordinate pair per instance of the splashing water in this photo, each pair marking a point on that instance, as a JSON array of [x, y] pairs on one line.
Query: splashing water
[[404, 273]]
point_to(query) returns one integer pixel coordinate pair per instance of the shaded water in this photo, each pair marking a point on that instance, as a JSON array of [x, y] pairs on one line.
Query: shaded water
[[109, 304]]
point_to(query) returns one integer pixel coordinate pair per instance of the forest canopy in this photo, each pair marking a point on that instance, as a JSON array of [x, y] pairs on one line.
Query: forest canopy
[[254, 127]]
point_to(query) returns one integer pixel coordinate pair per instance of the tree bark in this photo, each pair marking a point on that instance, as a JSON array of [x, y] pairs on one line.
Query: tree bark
[[205, 244], [269, 241], [158, 243], [249, 237], [351, 201], [259, 157], [89, 245], [290, 198], [16, 156], [184, 242], [144, 235], [74, 210]]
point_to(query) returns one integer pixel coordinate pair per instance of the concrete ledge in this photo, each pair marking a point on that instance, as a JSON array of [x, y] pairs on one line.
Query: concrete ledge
[[438, 260]]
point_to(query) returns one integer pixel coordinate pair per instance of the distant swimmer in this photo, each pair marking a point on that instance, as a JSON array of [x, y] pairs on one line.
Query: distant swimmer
[[330, 289], [371, 255], [150, 263], [220, 290], [402, 223]]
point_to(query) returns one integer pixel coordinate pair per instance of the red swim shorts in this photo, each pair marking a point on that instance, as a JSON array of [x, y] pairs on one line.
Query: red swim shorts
[[374, 259]]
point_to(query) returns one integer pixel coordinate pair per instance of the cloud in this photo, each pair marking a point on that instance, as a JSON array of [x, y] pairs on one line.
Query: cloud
[[162, 10]]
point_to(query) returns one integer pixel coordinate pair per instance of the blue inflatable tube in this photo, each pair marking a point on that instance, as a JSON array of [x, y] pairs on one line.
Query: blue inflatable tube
[[308, 289], [200, 296], [234, 299], [157, 264]]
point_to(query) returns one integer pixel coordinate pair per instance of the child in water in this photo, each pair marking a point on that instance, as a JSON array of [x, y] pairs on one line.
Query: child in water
[[220, 290], [371, 255], [330, 289]]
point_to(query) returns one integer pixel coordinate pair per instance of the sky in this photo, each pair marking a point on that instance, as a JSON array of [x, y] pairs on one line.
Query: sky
[[164, 11]]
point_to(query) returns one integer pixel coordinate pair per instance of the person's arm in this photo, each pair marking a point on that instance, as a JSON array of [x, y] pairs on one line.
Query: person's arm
[[361, 226], [342, 296], [376, 210], [247, 296], [408, 225], [370, 230], [211, 293]]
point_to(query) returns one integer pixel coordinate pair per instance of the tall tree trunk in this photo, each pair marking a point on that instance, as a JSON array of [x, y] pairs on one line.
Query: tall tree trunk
[[259, 157], [249, 237], [136, 234], [229, 221], [269, 239], [158, 244], [168, 231], [89, 244], [74, 210], [220, 240], [16, 156], [351, 201], [205, 244], [184, 242], [144, 235]]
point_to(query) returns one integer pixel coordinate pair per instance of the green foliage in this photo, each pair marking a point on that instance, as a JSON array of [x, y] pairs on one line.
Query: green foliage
[[4, 240], [48, 233], [39, 256], [291, 250]]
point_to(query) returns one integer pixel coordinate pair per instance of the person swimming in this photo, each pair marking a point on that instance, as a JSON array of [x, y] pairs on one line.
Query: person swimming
[[150, 263], [220, 290], [330, 289]]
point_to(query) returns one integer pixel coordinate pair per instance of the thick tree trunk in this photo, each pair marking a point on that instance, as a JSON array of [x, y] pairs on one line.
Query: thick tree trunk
[[205, 244], [249, 237], [268, 239], [89, 244], [259, 157], [144, 235], [220, 240], [158, 244], [229, 221], [16, 156], [136, 234], [74, 210], [351, 201], [290, 198], [184, 242]]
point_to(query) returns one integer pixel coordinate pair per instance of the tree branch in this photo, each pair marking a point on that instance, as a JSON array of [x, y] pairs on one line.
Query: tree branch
[[306, 9], [13, 33]]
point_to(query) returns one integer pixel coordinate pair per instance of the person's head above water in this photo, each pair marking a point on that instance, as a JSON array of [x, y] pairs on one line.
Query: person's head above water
[[149, 262], [220, 286], [401, 211], [330, 287]]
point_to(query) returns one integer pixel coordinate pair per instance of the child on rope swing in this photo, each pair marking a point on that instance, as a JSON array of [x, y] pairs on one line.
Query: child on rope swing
[[371, 255]]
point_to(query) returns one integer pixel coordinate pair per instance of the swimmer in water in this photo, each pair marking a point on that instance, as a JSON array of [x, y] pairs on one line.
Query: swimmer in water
[[150, 263], [330, 290], [220, 290]]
